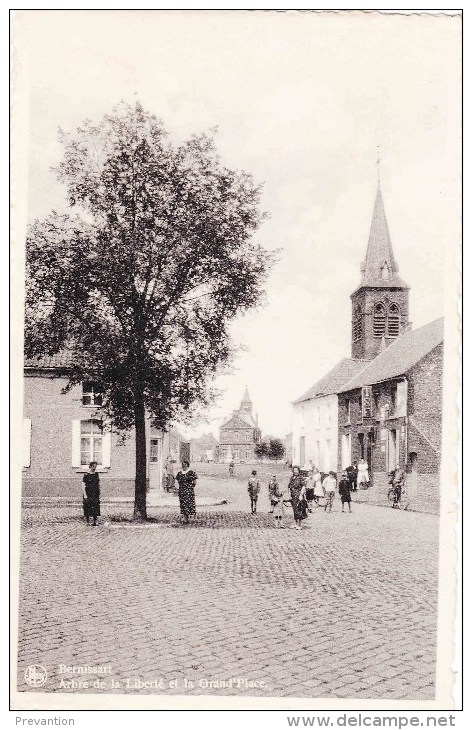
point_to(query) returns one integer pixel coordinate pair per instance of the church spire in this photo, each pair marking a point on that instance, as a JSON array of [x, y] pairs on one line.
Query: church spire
[[380, 302], [379, 268], [246, 403]]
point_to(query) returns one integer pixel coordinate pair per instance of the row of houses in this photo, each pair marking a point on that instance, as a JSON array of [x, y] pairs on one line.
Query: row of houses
[[384, 403]]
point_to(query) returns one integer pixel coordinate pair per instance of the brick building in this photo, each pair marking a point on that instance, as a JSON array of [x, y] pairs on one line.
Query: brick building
[[64, 431], [390, 413], [239, 434]]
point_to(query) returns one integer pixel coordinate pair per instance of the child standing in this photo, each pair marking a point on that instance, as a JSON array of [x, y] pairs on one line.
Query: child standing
[[273, 486], [329, 486], [278, 508], [345, 491], [253, 488]]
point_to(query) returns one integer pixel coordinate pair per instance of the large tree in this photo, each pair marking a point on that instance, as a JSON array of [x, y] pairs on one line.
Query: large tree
[[141, 276]]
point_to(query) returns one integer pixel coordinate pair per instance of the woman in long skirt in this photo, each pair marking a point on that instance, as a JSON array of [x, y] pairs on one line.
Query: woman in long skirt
[[91, 494], [297, 491], [186, 479]]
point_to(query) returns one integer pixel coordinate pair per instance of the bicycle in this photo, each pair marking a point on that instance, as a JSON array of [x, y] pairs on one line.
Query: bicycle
[[397, 498]]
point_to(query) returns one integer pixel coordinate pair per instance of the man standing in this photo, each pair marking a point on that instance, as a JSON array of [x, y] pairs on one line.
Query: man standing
[[352, 476]]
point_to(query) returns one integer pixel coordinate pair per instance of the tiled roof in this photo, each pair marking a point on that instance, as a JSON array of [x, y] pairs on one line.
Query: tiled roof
[[400, 356], [62, 359], [334, 380]]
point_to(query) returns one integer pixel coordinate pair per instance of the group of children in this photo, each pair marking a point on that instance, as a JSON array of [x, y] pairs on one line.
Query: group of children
[[303, 493]]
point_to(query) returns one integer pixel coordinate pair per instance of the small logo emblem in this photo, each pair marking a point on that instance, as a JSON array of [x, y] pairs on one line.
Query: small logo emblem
[[35, 675]]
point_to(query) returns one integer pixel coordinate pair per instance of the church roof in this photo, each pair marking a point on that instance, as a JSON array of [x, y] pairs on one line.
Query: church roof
[[334, 380], [246, 418], [400, 356], [379, 269]]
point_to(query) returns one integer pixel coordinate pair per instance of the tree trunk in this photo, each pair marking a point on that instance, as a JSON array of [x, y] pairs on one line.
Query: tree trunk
[[140, 482]]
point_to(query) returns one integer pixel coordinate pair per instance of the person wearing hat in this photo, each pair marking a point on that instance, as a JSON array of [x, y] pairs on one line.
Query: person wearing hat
[[253, 488], [345, 491]]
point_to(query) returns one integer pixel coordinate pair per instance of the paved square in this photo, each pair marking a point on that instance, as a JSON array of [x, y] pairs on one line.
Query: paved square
[[344, 608]]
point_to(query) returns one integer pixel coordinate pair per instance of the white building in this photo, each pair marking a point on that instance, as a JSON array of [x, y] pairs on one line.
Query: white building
[[315, 418]]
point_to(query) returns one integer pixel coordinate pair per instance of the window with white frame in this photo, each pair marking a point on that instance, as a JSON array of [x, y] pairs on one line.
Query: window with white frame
[[91, 394], [91, 442]]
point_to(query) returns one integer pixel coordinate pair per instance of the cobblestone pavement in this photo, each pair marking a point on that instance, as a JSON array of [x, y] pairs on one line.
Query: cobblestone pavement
[[344, 608]]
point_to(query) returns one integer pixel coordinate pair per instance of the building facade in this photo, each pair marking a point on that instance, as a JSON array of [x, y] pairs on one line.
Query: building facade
[[315, 419], [239, 434], [64, 430], [388, 394], [390, 414]]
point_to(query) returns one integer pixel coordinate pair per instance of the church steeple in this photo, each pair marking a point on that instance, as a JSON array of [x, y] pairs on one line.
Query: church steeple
[[246, 403], [379, 268], [380, 302]]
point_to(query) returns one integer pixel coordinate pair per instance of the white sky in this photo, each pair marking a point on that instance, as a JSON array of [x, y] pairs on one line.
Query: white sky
[[301, 101]]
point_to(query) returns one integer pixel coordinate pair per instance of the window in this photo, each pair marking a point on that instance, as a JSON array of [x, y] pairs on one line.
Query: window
[[236, 454], [348, 411], [154, 451], [357, 324], [393, 326], [380, 317], [248, 453], [91, 394], [393, 396], [91, 442]]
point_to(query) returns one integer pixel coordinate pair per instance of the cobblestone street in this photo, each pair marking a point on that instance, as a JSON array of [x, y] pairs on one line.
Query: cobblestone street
[[344, 608]]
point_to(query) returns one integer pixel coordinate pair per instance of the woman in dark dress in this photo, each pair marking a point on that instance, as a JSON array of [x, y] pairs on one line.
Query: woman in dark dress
[[186, 479], [92, 494], [297, 489]]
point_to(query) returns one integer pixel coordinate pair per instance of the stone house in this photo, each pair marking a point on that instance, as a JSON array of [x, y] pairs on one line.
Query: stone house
[[64, 431]]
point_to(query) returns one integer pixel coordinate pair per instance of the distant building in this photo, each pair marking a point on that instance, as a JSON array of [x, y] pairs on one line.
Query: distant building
[[239, 434]]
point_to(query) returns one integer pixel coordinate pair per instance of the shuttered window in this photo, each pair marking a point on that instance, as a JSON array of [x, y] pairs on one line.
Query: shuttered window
[[379, 320]]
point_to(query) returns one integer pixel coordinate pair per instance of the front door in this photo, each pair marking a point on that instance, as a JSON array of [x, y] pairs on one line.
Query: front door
[[155, 463]]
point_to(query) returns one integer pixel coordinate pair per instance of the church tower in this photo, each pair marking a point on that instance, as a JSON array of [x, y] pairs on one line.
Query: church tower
[[246, 403], [380, 302]]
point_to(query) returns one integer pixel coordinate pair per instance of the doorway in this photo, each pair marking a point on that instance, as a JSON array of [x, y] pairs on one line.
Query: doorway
[[393, 449], [155, 463], [413, 476]]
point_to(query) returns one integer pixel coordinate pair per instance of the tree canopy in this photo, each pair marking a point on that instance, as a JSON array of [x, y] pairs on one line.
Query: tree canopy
[[142, 275]]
